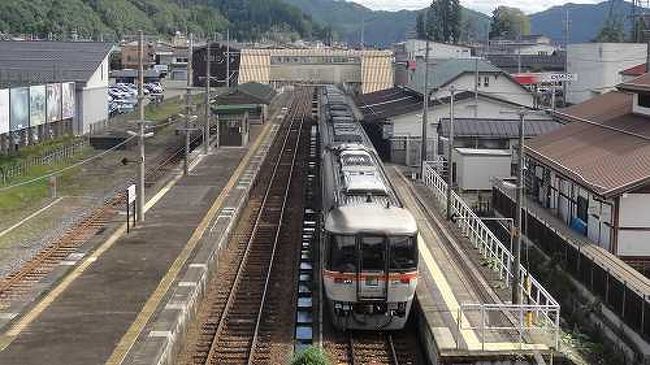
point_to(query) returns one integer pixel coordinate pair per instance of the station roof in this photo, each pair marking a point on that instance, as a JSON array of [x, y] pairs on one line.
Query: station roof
[[487, 128], [248, 93], [605, 147], [31, 62]]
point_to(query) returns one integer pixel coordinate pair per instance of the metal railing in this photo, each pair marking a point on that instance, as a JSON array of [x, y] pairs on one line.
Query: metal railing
[[499, 258]]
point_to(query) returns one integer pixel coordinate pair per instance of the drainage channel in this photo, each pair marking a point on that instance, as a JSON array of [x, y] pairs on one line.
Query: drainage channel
[[305, 311]]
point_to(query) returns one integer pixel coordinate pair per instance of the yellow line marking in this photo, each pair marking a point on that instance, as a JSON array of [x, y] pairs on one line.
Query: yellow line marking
[[131, 335], [30, 217], [447, 293], [10, 335]]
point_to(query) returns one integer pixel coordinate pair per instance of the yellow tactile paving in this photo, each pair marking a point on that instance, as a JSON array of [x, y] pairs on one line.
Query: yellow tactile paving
[[447, 293], [131, 335]]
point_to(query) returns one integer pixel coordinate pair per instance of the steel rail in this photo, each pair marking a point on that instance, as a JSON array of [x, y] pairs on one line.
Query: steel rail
[[242, 264], [277, 236]]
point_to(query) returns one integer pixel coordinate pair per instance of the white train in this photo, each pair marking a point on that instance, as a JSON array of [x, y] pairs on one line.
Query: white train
[[369, 241]]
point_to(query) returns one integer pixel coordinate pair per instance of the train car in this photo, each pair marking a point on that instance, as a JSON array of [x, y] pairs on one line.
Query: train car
[[369, 241]]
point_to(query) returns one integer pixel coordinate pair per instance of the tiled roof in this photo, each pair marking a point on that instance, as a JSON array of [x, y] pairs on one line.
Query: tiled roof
[[605, 148], [31, 62], [496, 128], [637, 70]]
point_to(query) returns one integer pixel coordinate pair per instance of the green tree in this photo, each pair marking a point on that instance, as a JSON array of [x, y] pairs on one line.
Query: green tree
[[613, 31], [509, 23], [443, 21]]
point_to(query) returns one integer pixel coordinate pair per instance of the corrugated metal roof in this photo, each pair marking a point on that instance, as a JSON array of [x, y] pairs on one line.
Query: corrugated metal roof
[[30, 62], [496, 128], [605, 148]]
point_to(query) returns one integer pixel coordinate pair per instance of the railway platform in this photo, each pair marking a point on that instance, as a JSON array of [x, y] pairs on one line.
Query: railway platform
[[464, 310], [96, 312]]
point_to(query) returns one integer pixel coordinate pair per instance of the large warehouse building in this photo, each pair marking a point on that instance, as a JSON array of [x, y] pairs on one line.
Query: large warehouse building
[[361, 71]]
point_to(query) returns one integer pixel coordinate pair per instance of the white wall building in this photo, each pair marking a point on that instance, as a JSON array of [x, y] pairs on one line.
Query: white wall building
[[598, 67], [84, 63], [476, 169]]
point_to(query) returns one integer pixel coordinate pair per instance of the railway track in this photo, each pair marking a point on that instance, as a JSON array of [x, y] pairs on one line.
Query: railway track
[[15, 285], [241, 310], [375, 347]]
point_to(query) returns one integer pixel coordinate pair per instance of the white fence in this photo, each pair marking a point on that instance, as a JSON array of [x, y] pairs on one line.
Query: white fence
[[542, 311]]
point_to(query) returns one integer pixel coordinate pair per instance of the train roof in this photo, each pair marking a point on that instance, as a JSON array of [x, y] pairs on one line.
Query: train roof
[[371, 219]]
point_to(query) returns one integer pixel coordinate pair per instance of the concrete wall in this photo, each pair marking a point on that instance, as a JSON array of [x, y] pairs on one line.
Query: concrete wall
[[91, 99], [634, 225], [476, 171], [598, 66]]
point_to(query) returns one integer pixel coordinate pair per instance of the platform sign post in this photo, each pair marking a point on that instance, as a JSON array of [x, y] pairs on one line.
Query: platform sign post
[[130, 200]]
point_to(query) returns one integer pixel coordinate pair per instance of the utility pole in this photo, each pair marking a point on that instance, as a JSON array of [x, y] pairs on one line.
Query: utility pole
[[140, 195], [228, 58], [425, 104], [476, 82], [450, 150], [188, 108], [518, 219], [516, 293], [566, 53], [206, 128]]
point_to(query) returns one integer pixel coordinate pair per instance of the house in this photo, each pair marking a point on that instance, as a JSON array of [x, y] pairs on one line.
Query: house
[[408, 51], [398, 111], [593, 174], [532, 44], [554, 62], [130, 55], [468, 75], [83, 63], [598, 67]]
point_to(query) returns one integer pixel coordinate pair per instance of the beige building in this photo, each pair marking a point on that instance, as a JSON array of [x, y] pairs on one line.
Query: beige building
[[359, 71]]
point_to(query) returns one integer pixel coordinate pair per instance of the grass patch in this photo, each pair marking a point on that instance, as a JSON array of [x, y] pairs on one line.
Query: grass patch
[[26, 196], [310, 356], [37, 150]]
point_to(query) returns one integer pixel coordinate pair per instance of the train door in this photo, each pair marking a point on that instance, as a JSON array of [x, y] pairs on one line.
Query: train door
[[372, 269]]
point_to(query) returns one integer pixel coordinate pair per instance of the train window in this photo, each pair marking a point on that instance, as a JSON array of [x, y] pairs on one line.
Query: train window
[[403, 253], [372, 253], [343, 253]]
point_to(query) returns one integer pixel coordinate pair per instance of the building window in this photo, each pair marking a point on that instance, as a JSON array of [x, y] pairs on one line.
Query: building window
[[644, 100], [486, 81], [583, 208]]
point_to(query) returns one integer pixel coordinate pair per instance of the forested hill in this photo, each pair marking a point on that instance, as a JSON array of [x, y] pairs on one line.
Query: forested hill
[[112, 19], [381, 28]]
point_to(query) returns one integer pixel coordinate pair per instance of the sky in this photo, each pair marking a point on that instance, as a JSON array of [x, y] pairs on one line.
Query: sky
[[485, 6]]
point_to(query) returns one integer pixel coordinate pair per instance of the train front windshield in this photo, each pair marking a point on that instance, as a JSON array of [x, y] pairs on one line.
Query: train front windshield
[[343, 255]]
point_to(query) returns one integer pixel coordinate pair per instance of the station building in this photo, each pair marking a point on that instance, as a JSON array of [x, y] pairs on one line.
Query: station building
[[358, 71]]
